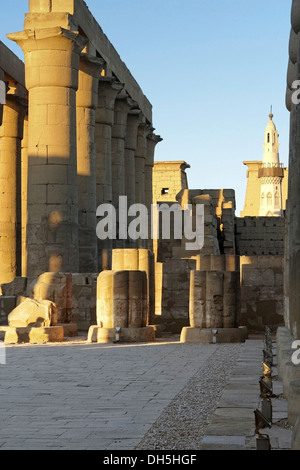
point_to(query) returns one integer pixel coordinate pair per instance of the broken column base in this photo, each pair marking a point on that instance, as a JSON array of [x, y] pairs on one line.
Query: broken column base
[[98, 334], [207, 335], [30, 334], [37, 334]]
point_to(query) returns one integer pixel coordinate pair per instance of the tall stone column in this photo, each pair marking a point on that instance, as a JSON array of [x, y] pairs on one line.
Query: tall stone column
[[122, 107], [133, 120], [152, 141], [51, 70], [24, 189], [87, 100], [292, 249], [108, 90], [11, 132], [2, 94], [140, 157]]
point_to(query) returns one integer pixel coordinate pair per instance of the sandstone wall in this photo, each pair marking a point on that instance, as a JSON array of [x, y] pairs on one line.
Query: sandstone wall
[[262, 301], [260, 236]]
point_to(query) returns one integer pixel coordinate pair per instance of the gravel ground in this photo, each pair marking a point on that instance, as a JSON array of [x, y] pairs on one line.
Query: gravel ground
[[183, 423]]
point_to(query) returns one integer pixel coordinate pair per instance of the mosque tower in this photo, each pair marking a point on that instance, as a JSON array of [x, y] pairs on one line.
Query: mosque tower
[[271, 174]]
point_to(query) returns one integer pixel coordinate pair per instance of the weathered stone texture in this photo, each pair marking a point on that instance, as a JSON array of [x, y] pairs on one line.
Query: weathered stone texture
[[33, 313], [122, 299], [56, 287], [260, 236], [84, 289], [214, 299], [261, 291], [292, 252], [172, 292]]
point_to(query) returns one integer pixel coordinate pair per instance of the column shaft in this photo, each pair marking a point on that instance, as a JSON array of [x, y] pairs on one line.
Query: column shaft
[[87, 100], [122, 107], [51, 68], [24, 189], [152, 141], [130, 148], [133, 120], [11, 132], [140, 156], [107, 93]]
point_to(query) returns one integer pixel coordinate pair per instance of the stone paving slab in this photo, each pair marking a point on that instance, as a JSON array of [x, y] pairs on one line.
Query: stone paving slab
[[232, 426], [81, 396], [90, 396]]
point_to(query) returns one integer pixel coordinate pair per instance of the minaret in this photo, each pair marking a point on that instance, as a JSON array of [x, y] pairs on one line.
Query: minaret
[[271, 174]]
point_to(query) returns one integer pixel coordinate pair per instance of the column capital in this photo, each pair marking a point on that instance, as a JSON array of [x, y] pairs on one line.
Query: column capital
[[91, 64], [133, 120], [154, 138], [123, 105], [152, 141], [15, 107], [143, 130], [28, 39], [90, 68], [51, 56], [108, 89]]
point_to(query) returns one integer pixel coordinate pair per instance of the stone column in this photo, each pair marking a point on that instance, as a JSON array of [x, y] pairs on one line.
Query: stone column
[[11, 132], [2, 94], [230, 296], [152, 141], [108, 90], [197, 302], [24, 188], [140, 157], [86, 100], [51, 68], [133, 120], [122, 108], [214, 299], [292, 251]]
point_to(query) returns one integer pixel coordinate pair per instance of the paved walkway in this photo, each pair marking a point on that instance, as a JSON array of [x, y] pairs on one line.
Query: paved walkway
[[92, 396], [232, 426]]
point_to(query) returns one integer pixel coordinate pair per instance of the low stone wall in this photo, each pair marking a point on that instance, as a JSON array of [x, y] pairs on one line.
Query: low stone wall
[[261, 292]]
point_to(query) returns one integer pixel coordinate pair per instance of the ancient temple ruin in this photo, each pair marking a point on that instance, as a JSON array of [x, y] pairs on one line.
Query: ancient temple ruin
[[76, 133], [77, 137]]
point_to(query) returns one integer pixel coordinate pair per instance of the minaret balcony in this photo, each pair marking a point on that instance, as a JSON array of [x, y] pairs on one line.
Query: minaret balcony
[[271, 170]]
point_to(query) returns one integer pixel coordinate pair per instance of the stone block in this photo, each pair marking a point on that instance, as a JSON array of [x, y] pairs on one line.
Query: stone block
[[290, 373], [33, 313], [69, 330], [206, 335], [294, 402], [16, 287], [35, 335], [98, 334], [56, 287], [283, 356], [296, 435], [7, 304]]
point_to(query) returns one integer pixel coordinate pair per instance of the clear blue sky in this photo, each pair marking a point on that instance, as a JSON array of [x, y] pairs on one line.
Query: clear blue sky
[[211, 69]]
